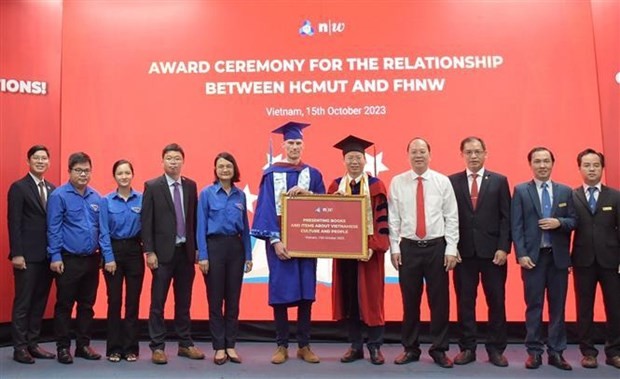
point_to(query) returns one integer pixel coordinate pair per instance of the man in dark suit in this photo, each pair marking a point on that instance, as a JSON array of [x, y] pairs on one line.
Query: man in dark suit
[[483, 199], [596, 257], [27, 203], [169, 238], [543, 217]]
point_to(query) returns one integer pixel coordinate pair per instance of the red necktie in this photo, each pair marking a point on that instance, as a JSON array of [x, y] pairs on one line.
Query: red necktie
[[474, 190], [420, 229]]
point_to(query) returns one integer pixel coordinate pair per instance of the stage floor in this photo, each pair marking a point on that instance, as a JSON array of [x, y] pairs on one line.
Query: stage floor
[[256, 364]]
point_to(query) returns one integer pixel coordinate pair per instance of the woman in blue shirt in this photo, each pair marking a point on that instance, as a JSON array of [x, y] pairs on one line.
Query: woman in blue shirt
[[119, 238], [224, 253]]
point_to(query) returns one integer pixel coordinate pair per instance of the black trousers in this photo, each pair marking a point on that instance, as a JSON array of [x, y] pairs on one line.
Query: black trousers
[[32, 288], [304, 314], [123, 335], [223, 281], [423, 266], [586, 279], [77, 284], [348, 270], [180, 272], [467, 275]]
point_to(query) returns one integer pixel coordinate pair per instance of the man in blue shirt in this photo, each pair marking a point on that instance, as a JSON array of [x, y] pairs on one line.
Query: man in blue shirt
[[72, 234]]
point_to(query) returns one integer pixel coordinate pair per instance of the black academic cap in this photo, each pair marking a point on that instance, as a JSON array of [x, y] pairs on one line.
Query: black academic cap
[[291, 130], [353, 143]]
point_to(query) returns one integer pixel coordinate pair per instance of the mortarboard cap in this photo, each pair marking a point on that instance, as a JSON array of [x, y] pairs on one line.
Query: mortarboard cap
[[353, 143], [291, 130]]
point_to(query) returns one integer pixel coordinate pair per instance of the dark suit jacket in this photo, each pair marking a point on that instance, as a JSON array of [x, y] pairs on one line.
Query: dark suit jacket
[[525, 213], [159, 218], [27, 220], [486, 229], [597, 235]]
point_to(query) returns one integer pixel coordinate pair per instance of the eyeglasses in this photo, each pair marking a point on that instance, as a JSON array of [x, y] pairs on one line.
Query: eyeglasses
[[473, 152], [173, 159], [81, 171]]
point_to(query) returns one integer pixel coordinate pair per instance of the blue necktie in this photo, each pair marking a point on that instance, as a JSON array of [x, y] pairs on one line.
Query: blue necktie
[[546, 213], [592, 199]]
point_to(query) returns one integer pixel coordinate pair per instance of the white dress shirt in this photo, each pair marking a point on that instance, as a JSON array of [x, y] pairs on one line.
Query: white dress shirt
[[470, 178], [440, 209], [596, 193]]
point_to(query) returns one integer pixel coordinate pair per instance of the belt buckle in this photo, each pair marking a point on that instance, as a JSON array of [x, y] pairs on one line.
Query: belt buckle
[[422, 243]]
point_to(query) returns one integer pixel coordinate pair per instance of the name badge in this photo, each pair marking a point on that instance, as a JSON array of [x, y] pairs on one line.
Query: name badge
[[561, 205], [607, 209]]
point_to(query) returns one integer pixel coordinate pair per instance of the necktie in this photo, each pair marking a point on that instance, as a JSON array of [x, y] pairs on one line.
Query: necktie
[[42, 197], [178, 209], [420, 229], [474, 190], [592, 199], [546, 213]]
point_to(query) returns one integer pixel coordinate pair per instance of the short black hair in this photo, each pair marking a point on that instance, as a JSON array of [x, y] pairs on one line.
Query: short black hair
[[473, 139], [36, 148], [120, 162], [590, 151], [428, 146], [536, 150], [173, 147], [229, 157], [77, 158]]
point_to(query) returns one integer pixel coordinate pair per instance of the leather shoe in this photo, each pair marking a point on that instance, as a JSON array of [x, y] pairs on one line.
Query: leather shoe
[[352, 355], [613, 361], [40, 353], [280, 355], [533, 361], [159, 357], [465, 357], [22, 356], [191, 352], [406, 357], [64, 356], [87, 352], [558, 361], [221, 360], [307, 355], [442, 360], [497, 359], [376, 357], [234, 358], [589, 361]]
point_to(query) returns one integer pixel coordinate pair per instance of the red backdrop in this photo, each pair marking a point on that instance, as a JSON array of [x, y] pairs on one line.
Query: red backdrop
[[545, 92]]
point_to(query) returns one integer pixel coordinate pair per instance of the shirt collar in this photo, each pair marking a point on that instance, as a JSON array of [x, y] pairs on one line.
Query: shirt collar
[[171, 181], [357, 180], [425, 175], [480, 173], [585, 187], [71, 188], [131, 194], [36, 180], [218, 187], [540, 183]]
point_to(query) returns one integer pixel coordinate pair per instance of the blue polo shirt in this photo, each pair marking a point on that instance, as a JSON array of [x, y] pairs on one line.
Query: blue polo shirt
[[220, 213], [72, 222], [118, 219]]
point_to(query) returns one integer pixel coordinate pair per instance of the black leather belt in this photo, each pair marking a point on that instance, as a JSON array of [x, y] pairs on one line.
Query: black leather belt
[[425, 243]]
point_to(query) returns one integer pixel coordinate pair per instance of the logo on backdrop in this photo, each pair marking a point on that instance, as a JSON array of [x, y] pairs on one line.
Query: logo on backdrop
[[329, 27]]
